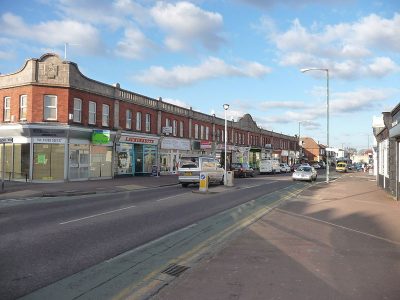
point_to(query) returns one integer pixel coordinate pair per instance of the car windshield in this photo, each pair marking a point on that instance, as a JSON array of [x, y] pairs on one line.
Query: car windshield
[[189, 162], [304, 169]]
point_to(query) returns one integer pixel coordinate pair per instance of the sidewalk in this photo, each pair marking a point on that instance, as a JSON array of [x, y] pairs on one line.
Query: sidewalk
[[340, 241], [18, 190]]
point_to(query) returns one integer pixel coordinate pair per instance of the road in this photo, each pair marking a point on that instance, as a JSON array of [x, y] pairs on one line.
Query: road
[[43, 241]]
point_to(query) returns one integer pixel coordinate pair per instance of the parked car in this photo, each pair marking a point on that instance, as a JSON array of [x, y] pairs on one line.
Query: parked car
[[342, 167], [284, 167], [242, 170], [303, 172], [294, 167], [191, 166]]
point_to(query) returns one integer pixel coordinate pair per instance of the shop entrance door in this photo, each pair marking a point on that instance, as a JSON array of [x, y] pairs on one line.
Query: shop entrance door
[[79, 164]]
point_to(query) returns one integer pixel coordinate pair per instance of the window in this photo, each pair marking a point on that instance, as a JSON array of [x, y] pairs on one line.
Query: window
[[77, 110], [196, 131], [128, 121], [92, 112], [201, 132], [23, 106], [167, 122], [207, 133], [50, 107], [181, 128], [138, 120], [174, 127], [7, 108], [106, 115], [148, 122]]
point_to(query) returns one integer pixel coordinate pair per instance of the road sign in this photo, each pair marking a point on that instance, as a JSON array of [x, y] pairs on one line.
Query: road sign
[[6, 140]]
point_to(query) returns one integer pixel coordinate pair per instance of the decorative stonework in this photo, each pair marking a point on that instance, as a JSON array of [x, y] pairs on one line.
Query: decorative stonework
[[51, 71]]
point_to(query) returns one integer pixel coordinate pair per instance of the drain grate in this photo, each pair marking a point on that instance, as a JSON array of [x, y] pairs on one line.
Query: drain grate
[[175, 270]]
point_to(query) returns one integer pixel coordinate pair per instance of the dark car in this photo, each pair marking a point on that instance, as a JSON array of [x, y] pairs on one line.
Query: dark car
[[242, 170], [294, 167]]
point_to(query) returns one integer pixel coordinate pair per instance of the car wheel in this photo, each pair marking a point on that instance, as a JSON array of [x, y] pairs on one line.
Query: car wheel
[[185, 185]]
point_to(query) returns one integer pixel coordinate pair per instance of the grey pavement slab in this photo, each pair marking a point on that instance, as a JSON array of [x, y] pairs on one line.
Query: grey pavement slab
[[336, 241]]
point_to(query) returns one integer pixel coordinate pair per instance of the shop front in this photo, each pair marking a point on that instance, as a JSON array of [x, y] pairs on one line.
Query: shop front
[[171, 150], [285, 156], [137, 154], [255, 157]]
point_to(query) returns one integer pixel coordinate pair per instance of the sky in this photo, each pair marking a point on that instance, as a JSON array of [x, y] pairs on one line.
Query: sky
[[245, 53]]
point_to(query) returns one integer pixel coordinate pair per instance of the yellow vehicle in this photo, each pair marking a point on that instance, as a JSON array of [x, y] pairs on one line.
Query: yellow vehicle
[[342, 167]]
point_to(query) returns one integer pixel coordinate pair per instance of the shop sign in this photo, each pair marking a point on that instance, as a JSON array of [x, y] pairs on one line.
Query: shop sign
[[268, 146], [167, 130], [205, 145], [100, 137], [228, 147], [138, 140], [285, 153], [49, 140], [6, 140], [48, 132], [175, 144]]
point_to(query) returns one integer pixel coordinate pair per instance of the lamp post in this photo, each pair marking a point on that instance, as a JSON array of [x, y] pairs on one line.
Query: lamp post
[[327, 114], [226, 107]]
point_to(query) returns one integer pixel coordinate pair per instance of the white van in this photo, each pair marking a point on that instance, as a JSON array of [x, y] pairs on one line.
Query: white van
[[268, 166], [191, 166]]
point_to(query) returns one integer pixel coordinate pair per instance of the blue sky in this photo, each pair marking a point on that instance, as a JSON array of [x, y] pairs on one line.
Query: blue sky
[[246, 53]]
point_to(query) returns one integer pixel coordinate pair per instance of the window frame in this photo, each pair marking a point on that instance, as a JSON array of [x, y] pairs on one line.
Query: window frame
[[50, 107], [181, 128], [92, 113], [128, 119], [105, 118], [148, 122], [7, 109], [139, 120], [77, 112], [23, 109], [174, 127]]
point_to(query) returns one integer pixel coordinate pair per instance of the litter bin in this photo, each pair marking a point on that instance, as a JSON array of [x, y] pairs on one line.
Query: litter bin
[[229, 178]]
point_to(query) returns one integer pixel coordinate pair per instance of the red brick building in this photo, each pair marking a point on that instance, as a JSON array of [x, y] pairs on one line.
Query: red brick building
[[65, 126]]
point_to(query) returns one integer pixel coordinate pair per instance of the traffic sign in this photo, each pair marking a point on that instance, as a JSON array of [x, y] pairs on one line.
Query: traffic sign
[[6, 140]]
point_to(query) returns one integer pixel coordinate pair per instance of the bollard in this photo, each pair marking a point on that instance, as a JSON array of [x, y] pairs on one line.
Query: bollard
[[203, 184], [229, 178]]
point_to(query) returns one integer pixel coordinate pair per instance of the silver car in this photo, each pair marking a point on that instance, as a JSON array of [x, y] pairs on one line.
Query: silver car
[[307, 173]]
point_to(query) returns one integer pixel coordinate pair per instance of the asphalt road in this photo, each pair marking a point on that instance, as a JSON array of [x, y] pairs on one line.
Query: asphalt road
[[43, 241]]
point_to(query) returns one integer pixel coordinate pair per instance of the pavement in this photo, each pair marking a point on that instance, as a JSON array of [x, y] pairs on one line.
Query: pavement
[[334, 241], [18, 190]]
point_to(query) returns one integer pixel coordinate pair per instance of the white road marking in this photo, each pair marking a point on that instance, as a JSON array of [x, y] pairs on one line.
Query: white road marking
[[96, 215], [166, 198], [249, 187], [339, 226]]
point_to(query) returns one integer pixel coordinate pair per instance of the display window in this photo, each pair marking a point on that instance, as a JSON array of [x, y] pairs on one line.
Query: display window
[[48, 161], [17, 157]]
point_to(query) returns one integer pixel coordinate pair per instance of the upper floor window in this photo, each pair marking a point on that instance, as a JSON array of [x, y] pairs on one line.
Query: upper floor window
[[174, 127], [181, 128], [196, 131], [23, 107], [77, 110], [7, 108], [138, 120], [128, 119], [201, 132], [106, 115], [207, 133], [92, 112], [148, 122], [50, 107], [167, 122]]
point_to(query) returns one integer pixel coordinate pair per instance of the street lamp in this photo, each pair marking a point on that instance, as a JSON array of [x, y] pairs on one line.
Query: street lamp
[[327, 114], [226, 107]]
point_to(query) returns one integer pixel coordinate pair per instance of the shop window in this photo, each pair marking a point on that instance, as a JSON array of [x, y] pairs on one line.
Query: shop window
[[23, 107], [17, 157], [77, 110], [138, 120], [50, 108], [148, 122], [128, 122], [48, 161], [7, 108], [106, 115], [92, 112]]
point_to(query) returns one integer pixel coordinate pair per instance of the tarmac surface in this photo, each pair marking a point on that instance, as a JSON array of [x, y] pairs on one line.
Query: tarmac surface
[[333, 241]]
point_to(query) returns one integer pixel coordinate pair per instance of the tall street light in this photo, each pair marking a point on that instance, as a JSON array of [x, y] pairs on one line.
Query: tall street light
[[327, 114], [226, 107]]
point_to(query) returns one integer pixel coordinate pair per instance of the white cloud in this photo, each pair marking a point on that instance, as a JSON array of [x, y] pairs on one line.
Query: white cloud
[[349, 50], [267, 105], [53, 33], [134, 45], [177, 102], [185, 24], [210, 68]]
